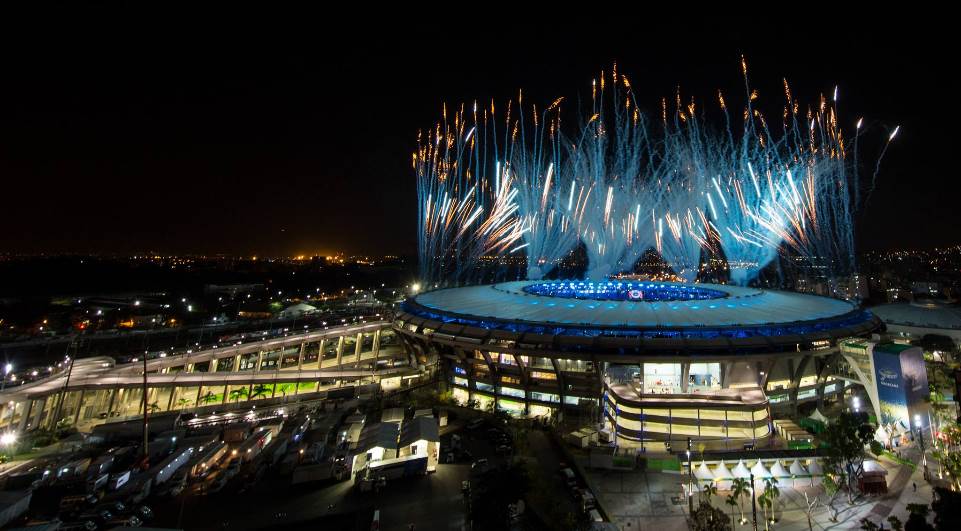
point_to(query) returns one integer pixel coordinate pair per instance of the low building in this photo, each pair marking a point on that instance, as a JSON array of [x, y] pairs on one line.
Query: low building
[[420, 437], [377, 442]]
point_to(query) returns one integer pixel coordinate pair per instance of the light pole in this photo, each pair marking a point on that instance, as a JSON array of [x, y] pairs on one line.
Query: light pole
[[753, 503], [690, 481], [924, 457]]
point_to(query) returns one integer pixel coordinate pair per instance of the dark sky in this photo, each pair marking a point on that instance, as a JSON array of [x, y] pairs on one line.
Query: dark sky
[[280, 138]]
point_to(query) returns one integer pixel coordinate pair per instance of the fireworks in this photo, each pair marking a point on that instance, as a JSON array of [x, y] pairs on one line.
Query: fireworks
[[498, 182]]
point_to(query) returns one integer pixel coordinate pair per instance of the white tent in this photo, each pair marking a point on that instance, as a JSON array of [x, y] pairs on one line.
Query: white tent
[[818, 416], [722, 475], [760, 471], [796, 469], [779, 471], [781, 474], [882, 434], [703, 473], [815, 469], [741, 471]]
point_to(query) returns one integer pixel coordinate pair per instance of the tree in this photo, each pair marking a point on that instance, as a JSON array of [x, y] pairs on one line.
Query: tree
[[948, 454], [845, 439], [918, 518], [209, 397], [259, 390], [183, 402], [238, 393], [739, 488], [732, 501], [771, 493], [709, 490], [153, 408], [947, 509], [709, 518], [811, 505]]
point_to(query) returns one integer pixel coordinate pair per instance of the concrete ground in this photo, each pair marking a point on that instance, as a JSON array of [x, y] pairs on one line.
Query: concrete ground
[[654, 501]]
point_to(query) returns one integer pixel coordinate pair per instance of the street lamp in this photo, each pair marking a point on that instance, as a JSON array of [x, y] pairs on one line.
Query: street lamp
[[8, 438], [924, 457]]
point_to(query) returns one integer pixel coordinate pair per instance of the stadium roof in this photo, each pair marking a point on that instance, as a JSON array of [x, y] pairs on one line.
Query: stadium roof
[[921, 314], [742, 307]]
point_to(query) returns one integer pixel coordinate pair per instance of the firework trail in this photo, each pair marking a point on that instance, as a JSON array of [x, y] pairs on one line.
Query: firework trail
[[493, 185], [546, 188]]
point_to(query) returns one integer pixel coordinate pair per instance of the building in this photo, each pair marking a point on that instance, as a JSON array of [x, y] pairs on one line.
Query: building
[[924, 317], [895, 379], [656, 361], [92, 390]]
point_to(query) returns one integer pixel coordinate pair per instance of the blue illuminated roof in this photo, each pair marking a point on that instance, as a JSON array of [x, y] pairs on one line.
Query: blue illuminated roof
[[740, 307]]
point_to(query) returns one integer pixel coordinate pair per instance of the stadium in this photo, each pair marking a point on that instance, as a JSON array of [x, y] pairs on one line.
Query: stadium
[[657, 361]]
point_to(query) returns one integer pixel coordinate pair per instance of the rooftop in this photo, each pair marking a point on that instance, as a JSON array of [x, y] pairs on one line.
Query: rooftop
[[738, 306]]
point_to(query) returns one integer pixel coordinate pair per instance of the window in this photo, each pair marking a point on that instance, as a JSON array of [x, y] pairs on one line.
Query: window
[[545, 397], [510, 380], [510, 391], [539, 375]]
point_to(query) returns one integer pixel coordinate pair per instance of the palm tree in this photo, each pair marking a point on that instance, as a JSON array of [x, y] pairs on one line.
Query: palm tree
[[183, 402], [709, 490], [209, 397], [764, 500], [739, 489], [153, 408], [771, 492], [732, 501], [239, 393], [259, 390]]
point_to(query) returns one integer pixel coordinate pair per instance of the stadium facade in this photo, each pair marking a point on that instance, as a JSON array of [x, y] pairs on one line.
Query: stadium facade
[[653, 361]]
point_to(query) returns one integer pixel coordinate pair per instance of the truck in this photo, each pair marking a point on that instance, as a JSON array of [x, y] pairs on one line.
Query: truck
[[170, 465], [253, 445]]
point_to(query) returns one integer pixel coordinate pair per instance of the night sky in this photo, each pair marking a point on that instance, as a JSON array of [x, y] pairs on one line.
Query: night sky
[[133, 137]]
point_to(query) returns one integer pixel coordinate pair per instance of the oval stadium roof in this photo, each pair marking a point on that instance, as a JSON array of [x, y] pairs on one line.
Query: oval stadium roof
[[742, 307]]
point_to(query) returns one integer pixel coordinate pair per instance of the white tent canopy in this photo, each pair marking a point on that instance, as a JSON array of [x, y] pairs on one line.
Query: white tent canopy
[[796, 469], [760, 471], [722, 472], [815, 469], [818, 416], [741, 471], [703, 472], [779, 471]]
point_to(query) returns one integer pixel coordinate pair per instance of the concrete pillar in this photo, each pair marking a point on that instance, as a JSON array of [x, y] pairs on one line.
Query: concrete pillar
[[685, 376], [76, 416], [25, 416], [39, 414], [113, 396], [340, 350], [260, 358]]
